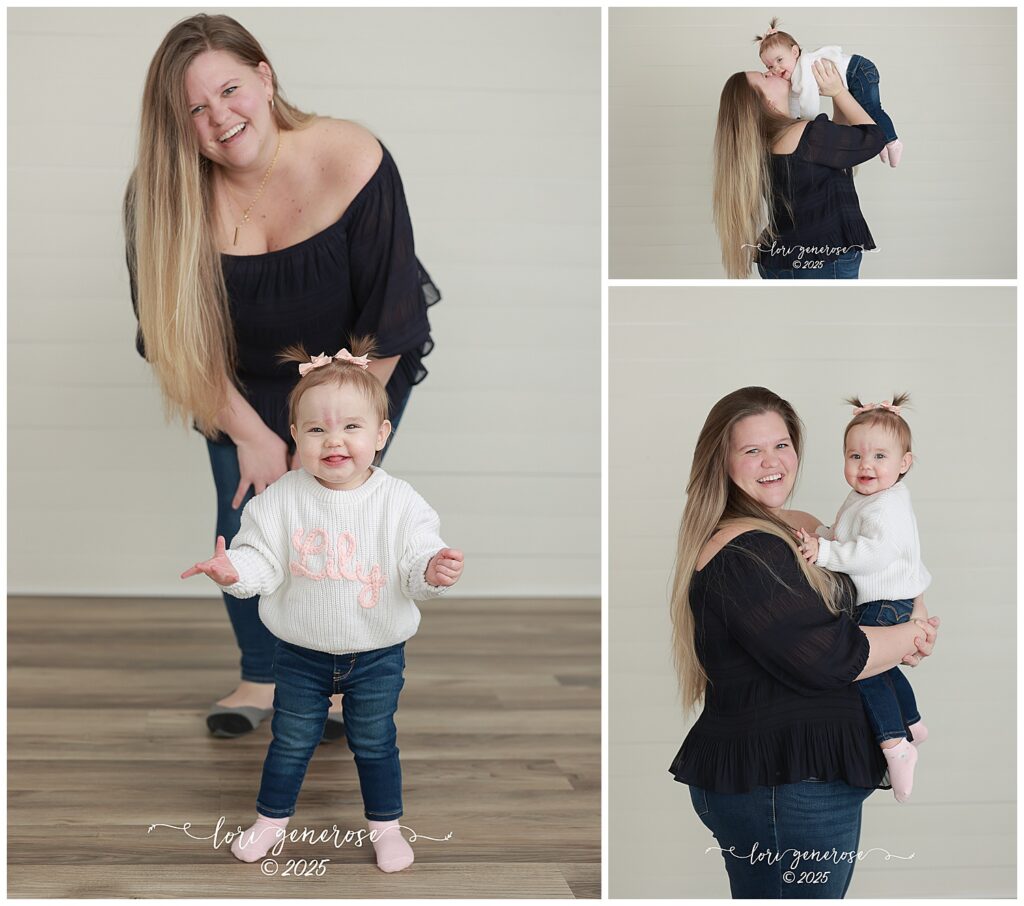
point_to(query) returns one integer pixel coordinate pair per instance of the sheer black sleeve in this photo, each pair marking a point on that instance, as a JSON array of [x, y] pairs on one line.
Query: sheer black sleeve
[[829, 145], [770, 610], [391, 290]]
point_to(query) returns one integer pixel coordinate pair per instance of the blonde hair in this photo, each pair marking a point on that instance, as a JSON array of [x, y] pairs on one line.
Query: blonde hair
[[895, 424], [168, 222], [774, 38], [714, 502], [742, 188], [339, 372]]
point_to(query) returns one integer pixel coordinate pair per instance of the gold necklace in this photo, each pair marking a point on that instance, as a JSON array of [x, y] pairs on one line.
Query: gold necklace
[[263, 184]]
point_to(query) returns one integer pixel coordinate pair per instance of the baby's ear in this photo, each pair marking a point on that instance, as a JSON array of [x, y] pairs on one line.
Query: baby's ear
[[908, 461]]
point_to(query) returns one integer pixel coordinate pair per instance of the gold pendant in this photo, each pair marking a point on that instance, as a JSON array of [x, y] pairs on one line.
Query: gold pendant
[[236, 237]]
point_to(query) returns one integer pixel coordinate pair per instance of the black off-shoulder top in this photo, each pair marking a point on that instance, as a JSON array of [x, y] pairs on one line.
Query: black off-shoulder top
[[780, 705], [358, 276], [817, 212]]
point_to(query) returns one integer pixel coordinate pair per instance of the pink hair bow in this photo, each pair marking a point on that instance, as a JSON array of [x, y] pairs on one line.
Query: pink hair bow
[[895, 410], [316, 362], [343, 355]]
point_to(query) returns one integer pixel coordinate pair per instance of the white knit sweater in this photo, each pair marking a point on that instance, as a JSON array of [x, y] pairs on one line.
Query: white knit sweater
[[875, 542], [804, 97], [337, 571]]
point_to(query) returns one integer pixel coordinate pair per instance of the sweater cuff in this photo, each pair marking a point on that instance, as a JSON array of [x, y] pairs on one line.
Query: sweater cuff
[[417, 586], [250, 581], [824, 548]]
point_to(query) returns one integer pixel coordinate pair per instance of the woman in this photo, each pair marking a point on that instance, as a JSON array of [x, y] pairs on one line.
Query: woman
[[783, 188], [250, 226], [782, 756]]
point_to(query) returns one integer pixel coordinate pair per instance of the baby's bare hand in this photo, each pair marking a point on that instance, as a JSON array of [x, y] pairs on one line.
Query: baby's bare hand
[[444, 567], [218, 567]]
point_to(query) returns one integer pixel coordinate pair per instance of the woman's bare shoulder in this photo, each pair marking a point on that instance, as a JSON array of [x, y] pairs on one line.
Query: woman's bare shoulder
[[720, 539], [787, 142], [342, 153], [798, 519]]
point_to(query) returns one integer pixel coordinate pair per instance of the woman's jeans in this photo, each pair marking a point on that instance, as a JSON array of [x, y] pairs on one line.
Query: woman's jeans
[[769, 837], [862, 78], [846, 267], [254, 640], [305, 681], [888, 698]]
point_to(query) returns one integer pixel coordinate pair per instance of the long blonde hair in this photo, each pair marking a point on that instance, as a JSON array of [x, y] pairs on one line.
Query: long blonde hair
[[713, 501], [742, 189], [168, 222]]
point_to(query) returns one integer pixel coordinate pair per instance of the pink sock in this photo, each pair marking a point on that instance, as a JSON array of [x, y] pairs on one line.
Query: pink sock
[[884, 154], [920, 732], [901, 759], [895, 149], [255, 842], [393, 852]]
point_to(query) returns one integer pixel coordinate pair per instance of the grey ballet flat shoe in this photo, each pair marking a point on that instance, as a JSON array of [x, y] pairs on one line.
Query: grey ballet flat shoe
[[334, 728], [227, 723]]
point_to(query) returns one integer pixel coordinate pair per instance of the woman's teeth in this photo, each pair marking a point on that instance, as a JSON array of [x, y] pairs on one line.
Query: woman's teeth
[[233, 131], [769, 479]]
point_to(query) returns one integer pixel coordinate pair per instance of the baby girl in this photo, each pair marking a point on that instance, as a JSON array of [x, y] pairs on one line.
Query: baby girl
[[783, 57]]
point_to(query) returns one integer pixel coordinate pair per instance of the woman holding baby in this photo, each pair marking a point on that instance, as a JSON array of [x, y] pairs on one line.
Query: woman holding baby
[[783, 194], [782, 756]]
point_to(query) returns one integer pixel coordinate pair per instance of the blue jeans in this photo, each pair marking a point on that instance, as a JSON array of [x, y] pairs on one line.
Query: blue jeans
[[888, 698], [255, 641], [862, 77], [790, 821], [846, 267], [305, 681]]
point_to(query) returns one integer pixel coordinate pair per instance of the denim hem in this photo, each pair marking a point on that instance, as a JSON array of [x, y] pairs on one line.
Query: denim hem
[[885, 737], [261, 809], [249, 678], [393, 817]]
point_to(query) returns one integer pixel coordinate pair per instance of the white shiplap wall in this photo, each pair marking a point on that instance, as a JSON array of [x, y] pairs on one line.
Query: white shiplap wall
[[948, 80], [494, 119], [673, 354]]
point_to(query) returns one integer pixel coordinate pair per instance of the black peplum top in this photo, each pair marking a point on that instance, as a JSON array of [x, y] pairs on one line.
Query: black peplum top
[[358, 276], [816, 208], [780, 705]]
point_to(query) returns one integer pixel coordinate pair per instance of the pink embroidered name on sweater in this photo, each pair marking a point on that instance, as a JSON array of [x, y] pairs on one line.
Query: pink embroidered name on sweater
[[338, 562]]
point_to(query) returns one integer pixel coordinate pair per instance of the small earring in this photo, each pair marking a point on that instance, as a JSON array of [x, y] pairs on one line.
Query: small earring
[[271, 103]]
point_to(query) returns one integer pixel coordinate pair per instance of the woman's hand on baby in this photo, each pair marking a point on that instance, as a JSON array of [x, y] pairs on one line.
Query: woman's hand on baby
[[260, 464], [808, 545], [444, 567], [218, 567], [929, 632], [830, 83]]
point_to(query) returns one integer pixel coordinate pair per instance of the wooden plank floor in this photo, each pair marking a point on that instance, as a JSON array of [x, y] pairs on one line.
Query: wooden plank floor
[[499, 727]]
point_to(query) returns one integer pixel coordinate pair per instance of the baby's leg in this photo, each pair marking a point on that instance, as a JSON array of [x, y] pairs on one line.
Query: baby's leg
[[371, 699], [301, 700], [863, 80]]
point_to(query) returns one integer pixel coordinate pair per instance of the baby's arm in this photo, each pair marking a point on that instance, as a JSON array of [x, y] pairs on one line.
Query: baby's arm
[[251, 566], [428, 567], [870, 552]]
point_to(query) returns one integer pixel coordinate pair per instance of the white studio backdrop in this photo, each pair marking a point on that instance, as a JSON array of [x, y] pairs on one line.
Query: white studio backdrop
[[673, 353], [493, 116], [947, 78]]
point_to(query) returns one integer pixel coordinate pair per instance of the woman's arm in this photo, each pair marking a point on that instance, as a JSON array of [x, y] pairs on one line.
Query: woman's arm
[[262, 455], [382, 369]]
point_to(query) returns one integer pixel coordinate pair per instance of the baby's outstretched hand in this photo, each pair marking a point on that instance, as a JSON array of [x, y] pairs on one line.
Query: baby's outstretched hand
[[218, 567], [444, 567], [808, 545]]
